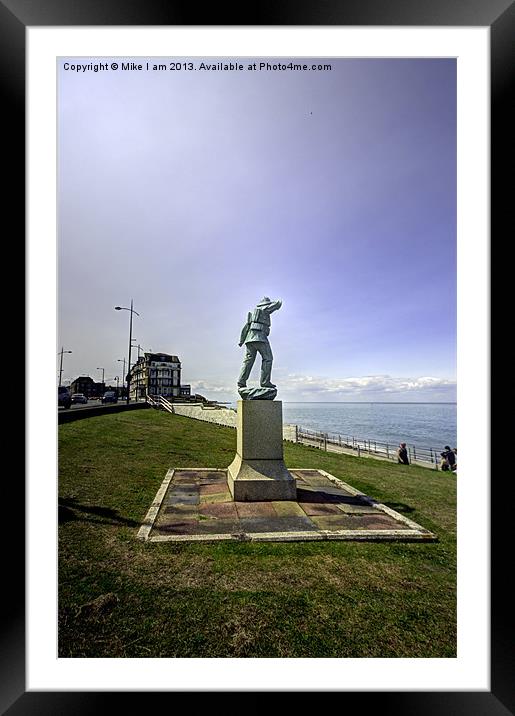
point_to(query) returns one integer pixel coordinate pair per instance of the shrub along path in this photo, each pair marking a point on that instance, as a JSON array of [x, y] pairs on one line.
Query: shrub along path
[[120, 597]]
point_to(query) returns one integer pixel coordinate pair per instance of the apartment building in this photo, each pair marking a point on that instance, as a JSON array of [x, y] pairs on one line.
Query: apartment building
[[157, 374]]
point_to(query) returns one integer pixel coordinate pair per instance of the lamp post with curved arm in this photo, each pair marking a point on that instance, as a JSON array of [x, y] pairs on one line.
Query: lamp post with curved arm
[[61, 366], [117, 378], [122, 360], [131, 309]]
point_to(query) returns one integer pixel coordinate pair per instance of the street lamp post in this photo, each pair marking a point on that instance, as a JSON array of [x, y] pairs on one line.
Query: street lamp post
[[138, 385], [103, 373], [117, 378], [136, 381], [131, 309], [122, 360], [61, 366]]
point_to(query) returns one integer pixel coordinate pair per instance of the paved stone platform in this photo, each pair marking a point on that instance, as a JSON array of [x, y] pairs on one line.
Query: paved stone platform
[[195, 505]]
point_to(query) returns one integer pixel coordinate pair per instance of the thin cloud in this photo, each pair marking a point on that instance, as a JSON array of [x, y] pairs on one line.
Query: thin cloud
[[298, 387], [366, 385]]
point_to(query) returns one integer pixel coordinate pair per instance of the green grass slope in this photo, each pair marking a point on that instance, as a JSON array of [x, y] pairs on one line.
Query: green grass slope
[[119, 597]]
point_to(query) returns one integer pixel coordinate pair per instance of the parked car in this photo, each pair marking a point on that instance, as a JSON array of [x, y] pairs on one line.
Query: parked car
[[63, 397], [110, 397], [79, 398]]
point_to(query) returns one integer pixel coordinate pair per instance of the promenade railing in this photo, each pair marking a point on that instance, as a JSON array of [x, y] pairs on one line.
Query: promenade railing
[[341, 443], [332, 442]]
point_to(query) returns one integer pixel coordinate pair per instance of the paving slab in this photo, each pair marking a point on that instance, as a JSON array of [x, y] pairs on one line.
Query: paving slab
[[322, 483], [320, 508], [186, 479], [298, 477], [213, 488], [308, 473], [186, 475], [182, 489], [188, 498], [255, 509], [183, 511], [178, 527], [210, 478], [276, 524], [216, 497], [380, 522], [288, 508], [335, 522], [330, 496], [196, 505], [222, 510], [215, 527], [353, 509]]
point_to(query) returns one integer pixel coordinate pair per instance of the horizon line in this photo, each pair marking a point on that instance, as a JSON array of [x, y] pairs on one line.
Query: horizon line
[[367, 402]]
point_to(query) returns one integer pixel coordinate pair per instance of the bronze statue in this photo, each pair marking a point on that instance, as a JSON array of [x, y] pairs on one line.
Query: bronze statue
[[254, 335]]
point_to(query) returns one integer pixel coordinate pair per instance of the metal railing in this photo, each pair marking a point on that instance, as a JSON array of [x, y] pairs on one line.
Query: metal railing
[[375, 448], [335, 442], [157, 401]]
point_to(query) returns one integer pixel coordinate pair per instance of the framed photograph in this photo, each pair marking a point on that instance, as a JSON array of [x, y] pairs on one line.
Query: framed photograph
[[89, 79]]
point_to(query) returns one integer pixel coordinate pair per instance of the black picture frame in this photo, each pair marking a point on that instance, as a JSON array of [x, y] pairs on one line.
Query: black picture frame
[[499, 16]]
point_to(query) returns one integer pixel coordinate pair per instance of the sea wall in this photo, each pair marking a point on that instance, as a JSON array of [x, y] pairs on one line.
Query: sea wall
[[221, 416], [211, 414]]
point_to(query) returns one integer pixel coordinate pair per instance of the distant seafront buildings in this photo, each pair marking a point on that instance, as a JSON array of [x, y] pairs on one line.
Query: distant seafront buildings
[[153, 374]]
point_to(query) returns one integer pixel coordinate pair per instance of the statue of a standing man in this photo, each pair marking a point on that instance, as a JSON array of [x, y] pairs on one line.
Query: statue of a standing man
[[254, 335]]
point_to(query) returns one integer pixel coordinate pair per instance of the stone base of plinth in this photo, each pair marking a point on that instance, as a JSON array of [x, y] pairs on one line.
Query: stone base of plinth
[[258, 472], [260, 480]]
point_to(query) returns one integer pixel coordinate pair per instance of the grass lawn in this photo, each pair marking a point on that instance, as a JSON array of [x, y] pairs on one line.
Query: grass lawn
[[119, 597]]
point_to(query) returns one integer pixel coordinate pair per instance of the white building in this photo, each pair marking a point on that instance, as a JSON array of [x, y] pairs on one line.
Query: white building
[[156, 374]]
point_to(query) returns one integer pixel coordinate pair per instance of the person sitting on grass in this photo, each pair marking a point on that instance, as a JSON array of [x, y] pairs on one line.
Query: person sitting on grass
[[450, 458]]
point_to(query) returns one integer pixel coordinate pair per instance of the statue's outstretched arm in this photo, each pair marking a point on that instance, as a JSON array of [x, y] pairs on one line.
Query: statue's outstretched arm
[[273, 306]]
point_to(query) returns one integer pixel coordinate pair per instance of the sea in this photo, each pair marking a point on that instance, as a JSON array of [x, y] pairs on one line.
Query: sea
[[425, 425]]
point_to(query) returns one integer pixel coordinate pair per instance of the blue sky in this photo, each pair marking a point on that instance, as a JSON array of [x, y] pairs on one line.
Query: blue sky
[[196, 193]]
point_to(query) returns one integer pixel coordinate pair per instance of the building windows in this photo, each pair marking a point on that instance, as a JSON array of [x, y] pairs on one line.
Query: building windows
[[156, 373]]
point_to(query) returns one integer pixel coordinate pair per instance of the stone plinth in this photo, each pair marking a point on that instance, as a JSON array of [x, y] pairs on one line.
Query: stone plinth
[[258, 472]]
